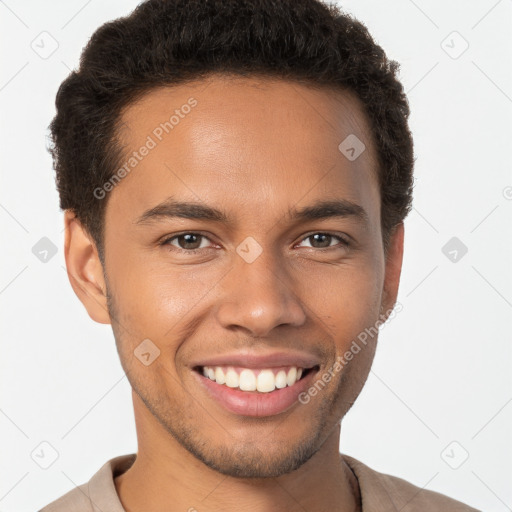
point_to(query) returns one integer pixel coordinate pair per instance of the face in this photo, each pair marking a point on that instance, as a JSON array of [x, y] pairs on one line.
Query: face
[[275, 262]]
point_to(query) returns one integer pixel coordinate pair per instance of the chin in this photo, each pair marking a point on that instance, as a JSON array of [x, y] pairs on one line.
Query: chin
[[256, 463]]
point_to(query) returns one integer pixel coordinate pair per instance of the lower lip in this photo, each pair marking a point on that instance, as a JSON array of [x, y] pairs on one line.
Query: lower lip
[[253, 403]]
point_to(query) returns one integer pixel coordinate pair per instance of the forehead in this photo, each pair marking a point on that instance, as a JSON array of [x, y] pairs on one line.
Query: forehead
[[243, 142]]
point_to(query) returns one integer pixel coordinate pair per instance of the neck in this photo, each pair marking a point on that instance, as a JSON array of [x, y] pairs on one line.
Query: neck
[[165, 476]]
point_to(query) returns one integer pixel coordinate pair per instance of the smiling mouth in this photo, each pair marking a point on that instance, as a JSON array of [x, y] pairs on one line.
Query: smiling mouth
[[251, 380]]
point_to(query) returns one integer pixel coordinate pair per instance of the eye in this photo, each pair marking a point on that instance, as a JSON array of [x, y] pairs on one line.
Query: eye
[[192, 242], [187, 242], [323, 240]]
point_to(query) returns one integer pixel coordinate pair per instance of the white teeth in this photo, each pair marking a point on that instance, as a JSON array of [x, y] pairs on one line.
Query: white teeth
[[247, 380], [219, 375], [281, 379], [291, 377], [265, 382], [231, 378]]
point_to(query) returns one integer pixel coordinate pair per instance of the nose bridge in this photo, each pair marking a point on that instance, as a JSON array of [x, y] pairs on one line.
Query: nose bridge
[[258, 294]]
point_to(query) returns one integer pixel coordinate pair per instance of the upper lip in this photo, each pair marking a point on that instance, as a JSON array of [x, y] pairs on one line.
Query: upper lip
[[254, 360]]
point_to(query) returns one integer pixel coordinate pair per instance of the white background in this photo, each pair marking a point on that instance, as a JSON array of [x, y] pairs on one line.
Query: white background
[[442, 370]]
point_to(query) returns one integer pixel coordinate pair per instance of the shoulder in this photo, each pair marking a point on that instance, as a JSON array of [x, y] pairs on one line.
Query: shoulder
[[382, 492], [98, 494]]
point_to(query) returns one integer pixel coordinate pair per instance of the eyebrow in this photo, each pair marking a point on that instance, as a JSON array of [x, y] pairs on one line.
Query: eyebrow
[[171, 208]]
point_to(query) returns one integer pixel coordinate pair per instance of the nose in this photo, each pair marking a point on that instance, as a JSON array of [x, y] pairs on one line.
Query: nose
[[259, 296]]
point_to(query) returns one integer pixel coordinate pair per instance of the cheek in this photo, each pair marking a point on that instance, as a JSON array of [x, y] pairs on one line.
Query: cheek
[[344, 300], [157, 300]]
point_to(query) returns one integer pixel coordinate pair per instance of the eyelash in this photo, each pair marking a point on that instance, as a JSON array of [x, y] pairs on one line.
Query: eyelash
[[344, 242]]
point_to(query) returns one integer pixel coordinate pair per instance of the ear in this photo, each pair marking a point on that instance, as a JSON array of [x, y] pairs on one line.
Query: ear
[[84, 269], [393, 269]]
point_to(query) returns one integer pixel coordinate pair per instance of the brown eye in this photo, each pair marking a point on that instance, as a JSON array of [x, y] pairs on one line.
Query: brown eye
[[324, 240], [186, 241], [189, 241]]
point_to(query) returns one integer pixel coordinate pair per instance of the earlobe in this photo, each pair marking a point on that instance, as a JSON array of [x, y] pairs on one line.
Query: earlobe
[[393, 269], [84, 269]]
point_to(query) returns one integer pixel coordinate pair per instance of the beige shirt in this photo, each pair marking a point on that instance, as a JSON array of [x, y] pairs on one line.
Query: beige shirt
[[379, 492]]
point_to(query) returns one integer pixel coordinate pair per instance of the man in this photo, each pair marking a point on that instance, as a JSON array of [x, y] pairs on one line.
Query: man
[[235, 176]]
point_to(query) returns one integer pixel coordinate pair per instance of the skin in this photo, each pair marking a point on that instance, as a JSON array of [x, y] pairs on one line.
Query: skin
[[253, 147]]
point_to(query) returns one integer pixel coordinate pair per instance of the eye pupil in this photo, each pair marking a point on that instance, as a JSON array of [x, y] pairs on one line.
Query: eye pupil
[[326, 238], [189, 238]]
